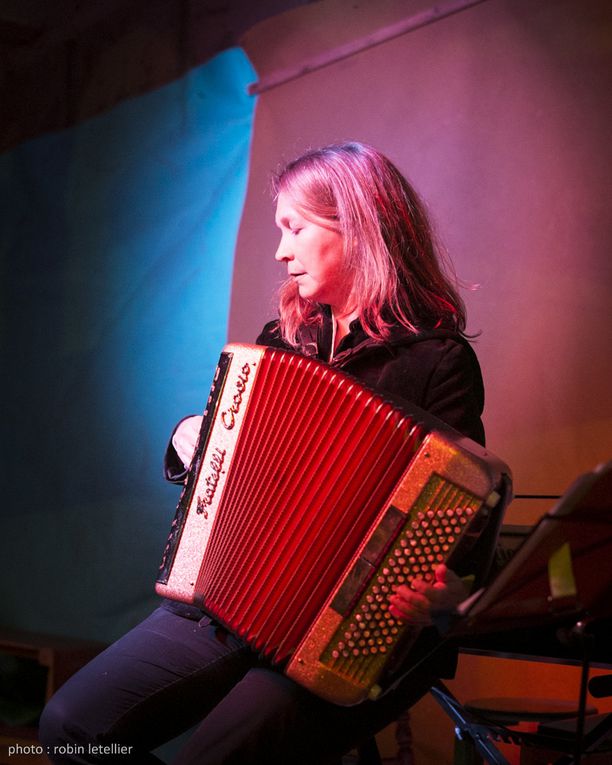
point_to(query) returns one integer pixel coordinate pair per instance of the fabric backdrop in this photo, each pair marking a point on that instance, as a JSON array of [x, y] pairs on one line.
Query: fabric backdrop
[[117, 252]]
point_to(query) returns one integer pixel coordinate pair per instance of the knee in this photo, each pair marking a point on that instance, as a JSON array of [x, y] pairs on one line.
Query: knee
[[50, 724], [57, 726]]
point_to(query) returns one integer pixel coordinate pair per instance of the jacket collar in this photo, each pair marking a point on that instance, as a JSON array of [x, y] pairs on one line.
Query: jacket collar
[[315, 340]]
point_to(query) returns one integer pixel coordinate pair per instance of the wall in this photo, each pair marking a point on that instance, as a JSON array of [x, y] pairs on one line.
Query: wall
[[500, 116]]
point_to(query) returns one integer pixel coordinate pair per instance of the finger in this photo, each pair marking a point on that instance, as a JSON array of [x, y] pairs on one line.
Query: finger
[[421, 585], [409, 610], [410, 603], [410, 598], [441, 595]]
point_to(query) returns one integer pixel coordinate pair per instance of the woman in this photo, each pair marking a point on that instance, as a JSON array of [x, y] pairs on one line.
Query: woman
[[366, 293]]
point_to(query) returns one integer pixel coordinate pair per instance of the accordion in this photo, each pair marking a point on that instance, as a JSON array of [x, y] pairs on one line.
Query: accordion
[[309, 498]]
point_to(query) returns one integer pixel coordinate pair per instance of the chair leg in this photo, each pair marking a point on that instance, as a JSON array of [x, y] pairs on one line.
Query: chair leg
[[403, 737]]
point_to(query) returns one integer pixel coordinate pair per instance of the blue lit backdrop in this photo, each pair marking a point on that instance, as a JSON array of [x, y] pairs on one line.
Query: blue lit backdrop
[[117, 253]]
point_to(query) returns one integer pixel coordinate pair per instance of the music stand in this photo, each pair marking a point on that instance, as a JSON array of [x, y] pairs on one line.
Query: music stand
[[562, 570], [562, 575]]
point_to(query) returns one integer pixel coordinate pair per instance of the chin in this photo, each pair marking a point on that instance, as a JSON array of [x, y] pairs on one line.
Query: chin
[[307, 294]]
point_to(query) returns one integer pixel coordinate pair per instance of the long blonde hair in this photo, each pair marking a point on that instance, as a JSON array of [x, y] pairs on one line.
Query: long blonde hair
[[399, 276]]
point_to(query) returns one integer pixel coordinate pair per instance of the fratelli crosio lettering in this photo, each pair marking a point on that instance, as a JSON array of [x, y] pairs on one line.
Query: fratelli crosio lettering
[[211, 480], [228, 417]]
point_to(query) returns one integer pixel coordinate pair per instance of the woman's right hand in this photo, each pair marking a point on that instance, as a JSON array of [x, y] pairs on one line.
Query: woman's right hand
[[185, 438], [420, 602]]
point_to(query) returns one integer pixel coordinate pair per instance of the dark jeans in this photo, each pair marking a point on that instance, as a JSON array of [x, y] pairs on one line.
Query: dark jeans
[[171, 673]]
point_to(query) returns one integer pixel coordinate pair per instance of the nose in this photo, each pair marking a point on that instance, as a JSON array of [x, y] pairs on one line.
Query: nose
[[283, 252]]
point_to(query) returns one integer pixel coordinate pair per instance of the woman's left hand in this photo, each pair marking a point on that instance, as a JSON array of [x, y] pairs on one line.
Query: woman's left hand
[[185, 438], [416, 604]]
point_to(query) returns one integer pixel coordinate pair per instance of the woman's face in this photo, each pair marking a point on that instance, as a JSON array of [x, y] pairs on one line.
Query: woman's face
[[314, 254]]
